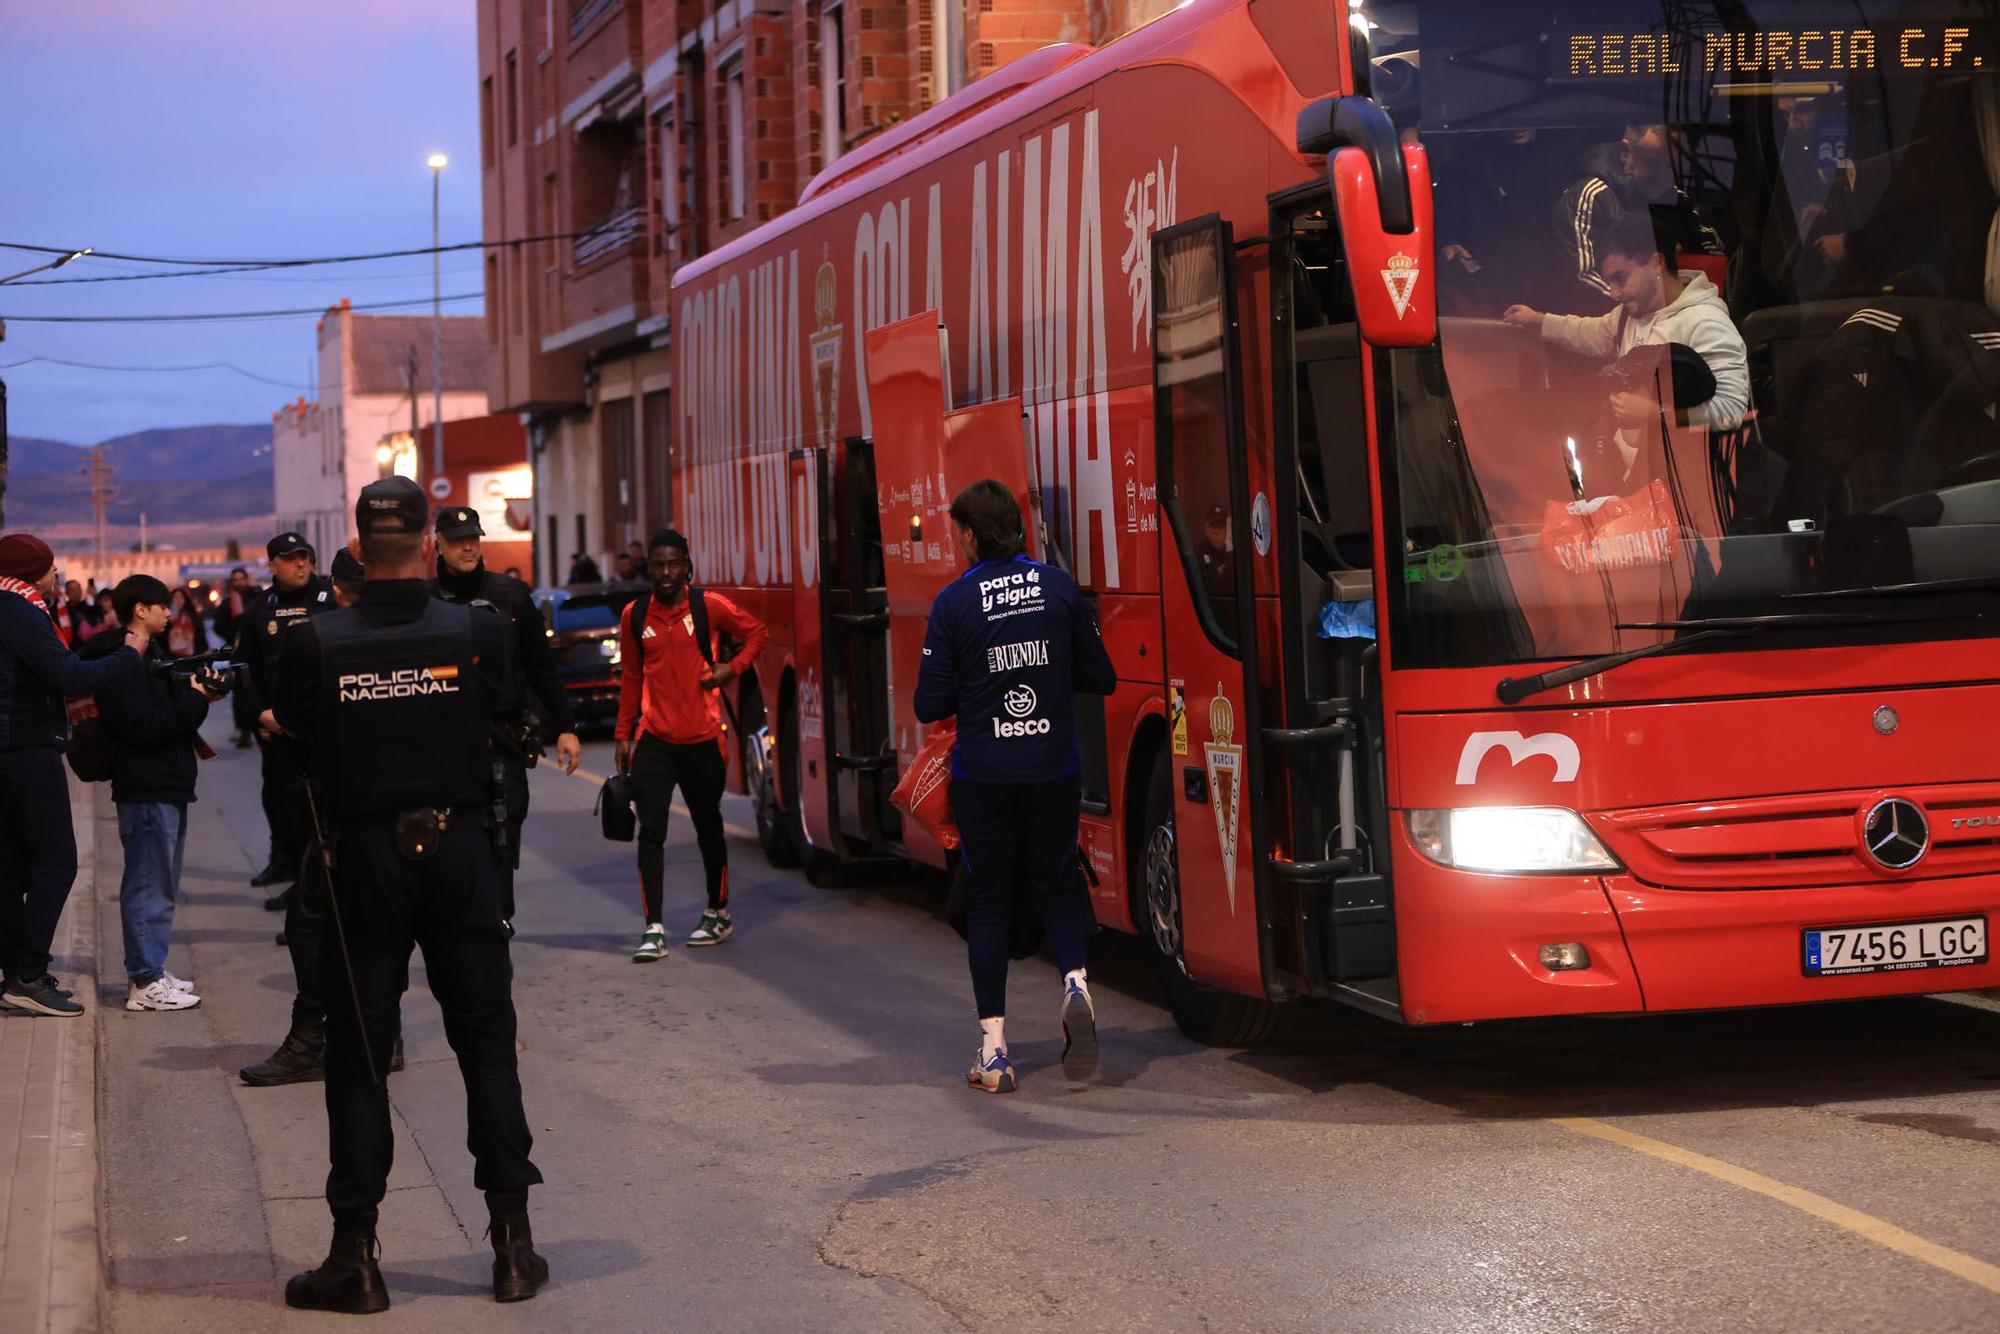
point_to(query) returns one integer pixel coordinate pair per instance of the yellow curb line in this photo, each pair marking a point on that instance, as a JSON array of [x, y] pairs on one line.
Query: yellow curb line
[[1885, 1234]]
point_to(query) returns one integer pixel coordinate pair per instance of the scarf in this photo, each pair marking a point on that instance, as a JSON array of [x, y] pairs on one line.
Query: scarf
[[9, 584]]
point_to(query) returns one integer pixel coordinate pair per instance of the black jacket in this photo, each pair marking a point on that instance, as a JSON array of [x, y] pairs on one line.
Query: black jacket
[[533, 668], [260, 638], [151, 718], [37, 674]]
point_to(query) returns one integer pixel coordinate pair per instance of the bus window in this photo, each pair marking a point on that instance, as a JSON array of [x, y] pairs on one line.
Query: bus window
[[1196, 426]]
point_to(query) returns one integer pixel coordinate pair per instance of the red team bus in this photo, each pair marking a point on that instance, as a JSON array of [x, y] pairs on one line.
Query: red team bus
[[1474, 662]]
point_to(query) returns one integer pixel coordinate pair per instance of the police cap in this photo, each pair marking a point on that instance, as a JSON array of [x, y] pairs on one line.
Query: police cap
[[287, 544], [458, 521], [394, 505], [346, 569]]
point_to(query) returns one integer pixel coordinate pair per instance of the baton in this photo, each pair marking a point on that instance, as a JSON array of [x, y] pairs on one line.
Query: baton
[[340, 935]]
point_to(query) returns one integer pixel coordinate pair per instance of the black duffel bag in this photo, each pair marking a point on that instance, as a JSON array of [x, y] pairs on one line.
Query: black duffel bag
[[614, 809]]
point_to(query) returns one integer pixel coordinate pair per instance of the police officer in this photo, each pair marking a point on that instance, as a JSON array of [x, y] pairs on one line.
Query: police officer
[[1011, 642], [399, 694], [297, 594], [462, 577]]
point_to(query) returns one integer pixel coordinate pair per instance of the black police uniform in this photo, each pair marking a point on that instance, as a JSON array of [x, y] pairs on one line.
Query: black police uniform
[[532, 671], [261, 644], [398, 694]]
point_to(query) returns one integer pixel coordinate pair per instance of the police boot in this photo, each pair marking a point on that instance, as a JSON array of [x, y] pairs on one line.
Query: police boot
[[270, 875], [348, 1281], [281, 900], [518, 1271], [300, 1057]]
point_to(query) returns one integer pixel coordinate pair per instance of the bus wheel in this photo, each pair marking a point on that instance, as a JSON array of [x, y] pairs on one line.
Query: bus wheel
[[822, 870], [774, 826], [1209, 1015]]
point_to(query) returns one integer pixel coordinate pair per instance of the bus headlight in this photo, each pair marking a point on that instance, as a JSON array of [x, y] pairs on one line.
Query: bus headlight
[[1510, 840]]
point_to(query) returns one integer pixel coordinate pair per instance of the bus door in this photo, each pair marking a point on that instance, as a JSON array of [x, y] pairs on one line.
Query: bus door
[[1332, 923], [804, 771], [860, 682], [1252, 750]]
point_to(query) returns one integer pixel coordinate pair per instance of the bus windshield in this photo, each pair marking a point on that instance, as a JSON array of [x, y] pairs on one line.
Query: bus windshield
[[1717, 287]]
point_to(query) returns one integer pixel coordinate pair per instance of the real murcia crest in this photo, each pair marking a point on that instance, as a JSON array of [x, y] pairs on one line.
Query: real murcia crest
[[826, 352], [1400, 277], [1225, 783]]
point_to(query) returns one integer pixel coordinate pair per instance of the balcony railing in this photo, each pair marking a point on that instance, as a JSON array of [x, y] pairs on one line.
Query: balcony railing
[[614, 233], [583, 13]]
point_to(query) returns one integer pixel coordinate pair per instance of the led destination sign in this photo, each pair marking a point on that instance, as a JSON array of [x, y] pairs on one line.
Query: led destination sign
[[1776, 52]]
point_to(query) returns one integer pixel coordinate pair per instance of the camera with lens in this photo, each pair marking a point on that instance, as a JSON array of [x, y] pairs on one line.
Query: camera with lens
[[216, 671]]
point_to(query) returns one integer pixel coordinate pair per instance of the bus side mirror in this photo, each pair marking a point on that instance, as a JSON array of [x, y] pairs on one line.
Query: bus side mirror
[[1382, 194]]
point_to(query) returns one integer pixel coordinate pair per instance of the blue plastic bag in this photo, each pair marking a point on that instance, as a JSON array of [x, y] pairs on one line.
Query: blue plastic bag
[[1347, 620]]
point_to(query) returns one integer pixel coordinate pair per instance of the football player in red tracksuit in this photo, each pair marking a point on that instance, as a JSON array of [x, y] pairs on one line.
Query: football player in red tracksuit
[[670, 727]]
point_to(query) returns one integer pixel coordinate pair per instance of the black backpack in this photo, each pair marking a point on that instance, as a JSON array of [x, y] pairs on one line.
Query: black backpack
[[91, 752], [642, 606]]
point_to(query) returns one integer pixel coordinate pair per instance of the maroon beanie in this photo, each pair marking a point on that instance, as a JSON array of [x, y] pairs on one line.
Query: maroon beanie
[[25, 557]]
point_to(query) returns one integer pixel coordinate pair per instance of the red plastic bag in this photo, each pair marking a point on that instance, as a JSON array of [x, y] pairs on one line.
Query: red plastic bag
[[1619, 533], [924, 792]]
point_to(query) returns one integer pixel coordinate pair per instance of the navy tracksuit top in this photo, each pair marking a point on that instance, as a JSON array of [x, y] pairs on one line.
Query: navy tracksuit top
[[1010, 645]]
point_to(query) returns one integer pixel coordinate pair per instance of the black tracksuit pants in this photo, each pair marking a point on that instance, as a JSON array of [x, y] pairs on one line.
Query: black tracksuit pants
[[1018, 838], [284, 796], [701, 773], [447, 905], [37, 857]]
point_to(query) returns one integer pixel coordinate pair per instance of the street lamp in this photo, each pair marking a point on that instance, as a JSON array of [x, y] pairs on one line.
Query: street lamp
[[436, 162], [52, 264]]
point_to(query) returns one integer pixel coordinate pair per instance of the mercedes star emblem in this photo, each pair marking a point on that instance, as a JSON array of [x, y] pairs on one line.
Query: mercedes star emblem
[[1887, 720], [1896, 833]]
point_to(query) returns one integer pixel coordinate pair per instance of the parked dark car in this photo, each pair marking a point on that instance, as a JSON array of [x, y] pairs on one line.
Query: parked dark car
[[583, 630]]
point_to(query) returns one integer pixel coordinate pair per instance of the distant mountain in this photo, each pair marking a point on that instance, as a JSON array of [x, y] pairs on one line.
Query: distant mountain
[[156, 455], [175, 474]]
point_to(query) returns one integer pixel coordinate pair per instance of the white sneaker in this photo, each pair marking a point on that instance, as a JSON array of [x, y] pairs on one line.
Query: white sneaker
[[177, 983], [160, 994]]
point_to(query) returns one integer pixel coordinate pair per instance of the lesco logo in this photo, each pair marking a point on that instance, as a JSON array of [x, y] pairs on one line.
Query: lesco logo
[[1896, 833], [1019, 702]]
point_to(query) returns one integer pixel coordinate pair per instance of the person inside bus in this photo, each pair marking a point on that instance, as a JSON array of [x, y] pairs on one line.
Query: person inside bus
[[1657, 305], [1633, 178], [1010, 645]]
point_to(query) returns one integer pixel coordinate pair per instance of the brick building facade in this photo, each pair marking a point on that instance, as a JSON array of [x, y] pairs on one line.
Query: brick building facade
[[620, 138]]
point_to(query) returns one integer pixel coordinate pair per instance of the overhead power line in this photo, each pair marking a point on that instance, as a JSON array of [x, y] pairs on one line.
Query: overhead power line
[[215, 316], [204, 366], [198, 267]]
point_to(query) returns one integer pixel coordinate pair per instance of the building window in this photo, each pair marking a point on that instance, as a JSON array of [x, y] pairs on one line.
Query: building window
[[520, 281], [621, 472], [658, 426], [548, 31], [667, 135], [832, 82], [513, 100], [486, 121], [733, 116]]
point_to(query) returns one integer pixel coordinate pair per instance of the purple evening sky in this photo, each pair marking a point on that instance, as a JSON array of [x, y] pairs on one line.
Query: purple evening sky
[[226, 128]]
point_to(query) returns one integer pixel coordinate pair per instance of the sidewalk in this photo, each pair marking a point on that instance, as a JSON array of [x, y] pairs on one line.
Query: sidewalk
[[50, 1275]]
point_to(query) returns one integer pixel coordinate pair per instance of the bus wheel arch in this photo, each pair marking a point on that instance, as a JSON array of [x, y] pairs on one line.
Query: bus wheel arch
[[1208, 1015], [764, 756]]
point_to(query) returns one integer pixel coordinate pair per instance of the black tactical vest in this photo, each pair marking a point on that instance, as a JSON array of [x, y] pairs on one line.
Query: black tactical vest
[[405, 713]]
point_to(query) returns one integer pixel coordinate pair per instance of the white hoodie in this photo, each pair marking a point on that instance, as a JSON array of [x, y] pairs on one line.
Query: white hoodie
[[1697, 318]]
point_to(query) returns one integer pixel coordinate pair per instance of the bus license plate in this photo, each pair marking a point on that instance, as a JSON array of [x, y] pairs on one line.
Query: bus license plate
[[1840, 951]]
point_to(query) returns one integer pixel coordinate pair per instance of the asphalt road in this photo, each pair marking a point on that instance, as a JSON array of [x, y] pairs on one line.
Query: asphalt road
[[775, 1134]]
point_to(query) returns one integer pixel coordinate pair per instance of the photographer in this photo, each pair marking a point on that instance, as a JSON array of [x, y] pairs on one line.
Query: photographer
[[1657, 305], [152, 718]]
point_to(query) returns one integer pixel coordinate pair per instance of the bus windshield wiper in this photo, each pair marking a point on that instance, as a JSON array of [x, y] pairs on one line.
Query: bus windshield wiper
[[1971, 583], [1514, 689]]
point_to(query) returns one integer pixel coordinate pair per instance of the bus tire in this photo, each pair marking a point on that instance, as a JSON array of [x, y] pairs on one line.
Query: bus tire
[[775, 832], [1208, 1015], [822, 870]]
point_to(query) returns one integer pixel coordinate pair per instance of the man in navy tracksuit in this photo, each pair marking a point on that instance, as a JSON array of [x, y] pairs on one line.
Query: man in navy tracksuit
[[1011, 643]]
